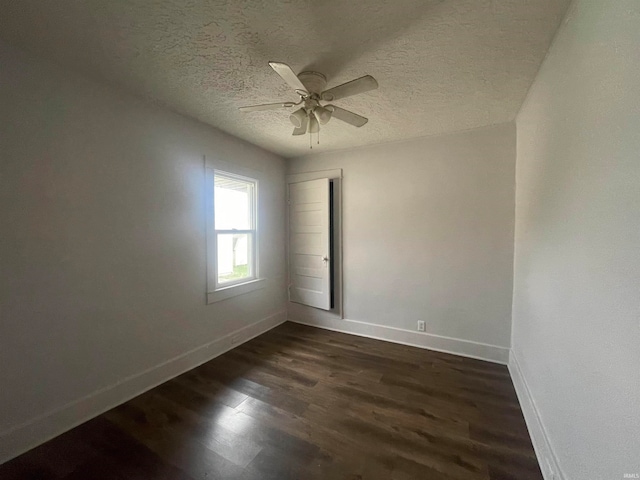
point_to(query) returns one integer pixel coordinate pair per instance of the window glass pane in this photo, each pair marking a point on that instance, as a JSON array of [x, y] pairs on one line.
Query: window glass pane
[[234, 257], [233, 202]]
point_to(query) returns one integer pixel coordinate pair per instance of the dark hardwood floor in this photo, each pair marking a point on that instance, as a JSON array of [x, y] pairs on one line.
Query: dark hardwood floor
[[304, 403]]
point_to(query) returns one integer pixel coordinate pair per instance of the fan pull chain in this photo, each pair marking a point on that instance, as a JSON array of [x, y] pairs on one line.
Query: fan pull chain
[[310, 146], [318, 136]]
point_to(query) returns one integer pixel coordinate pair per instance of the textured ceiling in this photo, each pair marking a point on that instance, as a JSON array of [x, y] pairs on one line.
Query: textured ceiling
[[442, 65]]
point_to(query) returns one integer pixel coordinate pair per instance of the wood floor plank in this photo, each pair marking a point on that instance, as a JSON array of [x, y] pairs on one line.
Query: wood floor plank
[[302, 403], [175, 446], [121, 453]]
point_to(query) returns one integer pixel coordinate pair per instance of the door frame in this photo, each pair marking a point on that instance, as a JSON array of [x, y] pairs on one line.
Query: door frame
[[298, 310]]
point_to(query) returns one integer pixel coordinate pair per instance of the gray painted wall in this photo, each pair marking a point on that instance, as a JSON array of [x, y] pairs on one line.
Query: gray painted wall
[[576, 303], [428, 232], [102, 251]]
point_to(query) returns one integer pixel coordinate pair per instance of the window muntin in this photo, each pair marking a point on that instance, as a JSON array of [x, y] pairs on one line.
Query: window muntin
[[235, 229]]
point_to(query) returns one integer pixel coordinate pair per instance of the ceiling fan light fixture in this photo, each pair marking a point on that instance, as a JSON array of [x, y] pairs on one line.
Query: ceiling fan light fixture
[[302, 129], [322, 114], [298, 117], [314, 126], [309, 86]]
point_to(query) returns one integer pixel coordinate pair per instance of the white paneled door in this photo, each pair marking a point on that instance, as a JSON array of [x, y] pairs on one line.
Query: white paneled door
[[309, 234]]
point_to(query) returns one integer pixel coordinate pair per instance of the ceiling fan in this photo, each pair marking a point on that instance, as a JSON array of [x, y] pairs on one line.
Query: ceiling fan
[[310, 88]]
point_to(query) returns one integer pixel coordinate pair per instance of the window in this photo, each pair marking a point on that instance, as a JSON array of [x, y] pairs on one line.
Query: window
[[234, 200], [232, 235]]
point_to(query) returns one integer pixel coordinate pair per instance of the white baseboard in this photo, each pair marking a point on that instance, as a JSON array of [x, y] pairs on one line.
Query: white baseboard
[[539, 438], [32, 433], [456, 346]]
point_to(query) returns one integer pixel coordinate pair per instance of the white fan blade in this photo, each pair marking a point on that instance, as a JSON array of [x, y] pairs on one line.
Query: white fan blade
[[266, 106], [288, 75], [359, 85], [347, 116], [302, 129]]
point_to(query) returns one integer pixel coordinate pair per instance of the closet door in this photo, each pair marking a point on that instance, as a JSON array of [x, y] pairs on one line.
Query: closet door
[[309, 235]]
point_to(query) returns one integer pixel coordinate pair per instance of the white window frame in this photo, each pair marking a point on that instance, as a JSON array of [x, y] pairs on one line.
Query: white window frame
[[217, 291]]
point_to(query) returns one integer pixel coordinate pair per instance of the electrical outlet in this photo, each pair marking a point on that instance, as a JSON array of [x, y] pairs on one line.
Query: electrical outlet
[[421, 326]]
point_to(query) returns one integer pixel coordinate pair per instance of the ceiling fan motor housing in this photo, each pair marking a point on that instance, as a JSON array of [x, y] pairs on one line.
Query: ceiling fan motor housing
[[314, 82]]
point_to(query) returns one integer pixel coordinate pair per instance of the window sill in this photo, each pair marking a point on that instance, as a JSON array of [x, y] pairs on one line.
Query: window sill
[[235, 290]]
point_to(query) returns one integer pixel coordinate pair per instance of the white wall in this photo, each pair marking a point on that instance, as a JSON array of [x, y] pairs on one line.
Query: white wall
[[102, 250], [428, 234], [576, 304]]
